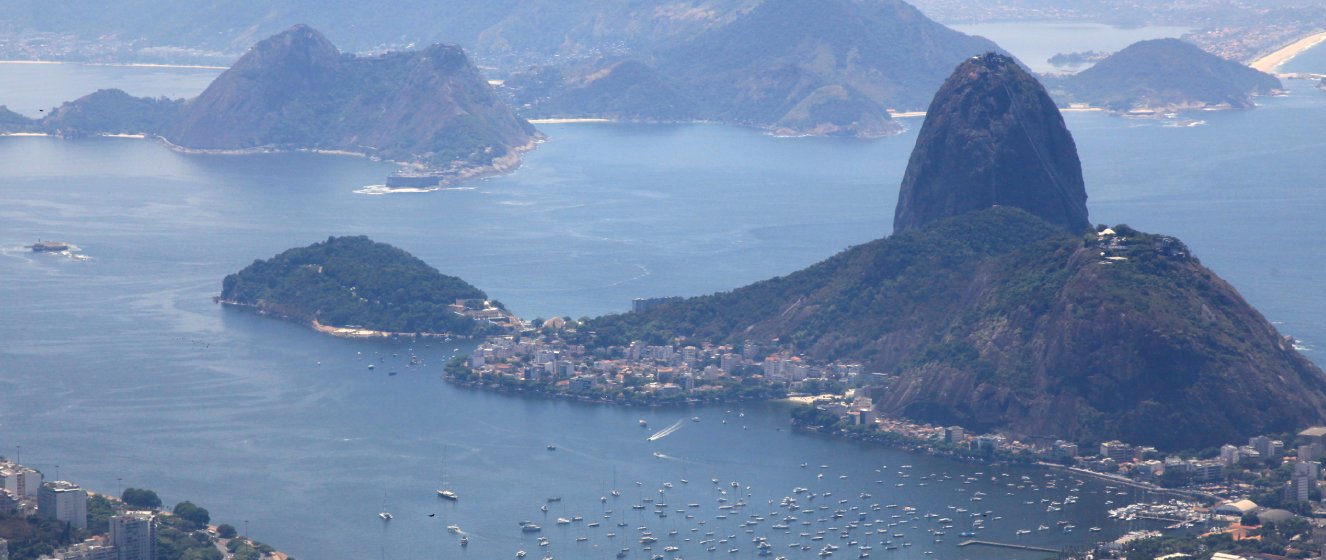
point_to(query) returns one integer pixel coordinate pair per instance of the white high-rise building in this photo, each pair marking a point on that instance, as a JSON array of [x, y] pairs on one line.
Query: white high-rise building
[[63, 501], [134, 536], [21, 482]]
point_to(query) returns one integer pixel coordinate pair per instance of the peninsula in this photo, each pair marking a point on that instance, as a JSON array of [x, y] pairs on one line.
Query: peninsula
[[1014, 316], [355, 287]]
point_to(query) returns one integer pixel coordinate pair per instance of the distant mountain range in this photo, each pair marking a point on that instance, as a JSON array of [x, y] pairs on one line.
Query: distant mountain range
[[823, 67], [829, 67], [1166, 75], [295, 90], [1004, 312]]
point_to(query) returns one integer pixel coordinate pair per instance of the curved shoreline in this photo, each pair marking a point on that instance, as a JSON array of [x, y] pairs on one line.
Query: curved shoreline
[[1271, 62], [339, 332]]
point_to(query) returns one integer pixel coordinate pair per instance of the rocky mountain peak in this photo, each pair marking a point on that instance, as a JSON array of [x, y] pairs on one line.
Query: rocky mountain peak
[[992, 137]]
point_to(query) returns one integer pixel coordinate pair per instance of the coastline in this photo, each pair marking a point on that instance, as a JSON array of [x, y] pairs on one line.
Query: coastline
[[339, 332], [119, 64], [1271, 62], [570, 120]]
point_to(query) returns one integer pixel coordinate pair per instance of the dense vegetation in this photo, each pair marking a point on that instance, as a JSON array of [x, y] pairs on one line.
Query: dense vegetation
[[347, 281], [998, 320], [140, 498], [1165, 73], [112, 111]]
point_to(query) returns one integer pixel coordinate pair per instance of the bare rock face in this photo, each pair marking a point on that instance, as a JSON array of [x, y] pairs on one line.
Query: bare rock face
[[992, 137]]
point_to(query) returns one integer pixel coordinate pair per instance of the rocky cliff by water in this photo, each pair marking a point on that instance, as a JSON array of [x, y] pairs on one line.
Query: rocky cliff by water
[[996, 310]]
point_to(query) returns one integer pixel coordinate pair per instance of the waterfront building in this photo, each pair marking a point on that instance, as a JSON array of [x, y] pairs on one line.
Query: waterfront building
[[954, 434], [63, 501], [1119, 451], [1206, 471], [1236, 508], [8, 503], [134, 536], [21, 482]]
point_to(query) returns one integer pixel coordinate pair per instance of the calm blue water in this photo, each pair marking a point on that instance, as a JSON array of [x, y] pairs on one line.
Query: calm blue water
[[30, 88], [1035, 42], [121, 371], [1312, 60]]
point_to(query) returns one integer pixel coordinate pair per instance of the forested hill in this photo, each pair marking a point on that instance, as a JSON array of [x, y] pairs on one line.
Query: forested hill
[[347, 281], [996, 319], [1165, 74], [296, 90]]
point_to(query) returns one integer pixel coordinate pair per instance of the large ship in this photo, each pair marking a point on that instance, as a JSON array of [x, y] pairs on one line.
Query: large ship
[[49, 246]]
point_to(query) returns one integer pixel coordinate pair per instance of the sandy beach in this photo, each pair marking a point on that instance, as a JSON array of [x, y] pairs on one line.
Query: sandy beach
[[1272, 61], [568, 121]]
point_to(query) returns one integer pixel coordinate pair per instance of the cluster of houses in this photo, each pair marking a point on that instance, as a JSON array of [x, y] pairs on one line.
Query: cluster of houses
[[648, 371]]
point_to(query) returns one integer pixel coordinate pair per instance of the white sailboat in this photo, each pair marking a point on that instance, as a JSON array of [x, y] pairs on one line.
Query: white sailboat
[[444, 491]]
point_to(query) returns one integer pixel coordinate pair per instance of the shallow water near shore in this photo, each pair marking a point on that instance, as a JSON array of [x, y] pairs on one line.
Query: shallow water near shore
[[121, 370]]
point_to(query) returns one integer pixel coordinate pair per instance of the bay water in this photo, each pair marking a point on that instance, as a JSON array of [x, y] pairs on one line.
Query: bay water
[[119, 370]]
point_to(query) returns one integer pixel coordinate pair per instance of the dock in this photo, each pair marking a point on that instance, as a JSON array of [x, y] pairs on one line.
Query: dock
[[1010, 545]]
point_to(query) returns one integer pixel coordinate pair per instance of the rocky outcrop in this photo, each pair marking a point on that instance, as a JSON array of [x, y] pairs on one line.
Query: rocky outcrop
[[992, 137]]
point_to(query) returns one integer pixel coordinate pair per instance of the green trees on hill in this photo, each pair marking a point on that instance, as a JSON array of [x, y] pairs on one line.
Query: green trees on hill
[[140, 498], [348, 281]]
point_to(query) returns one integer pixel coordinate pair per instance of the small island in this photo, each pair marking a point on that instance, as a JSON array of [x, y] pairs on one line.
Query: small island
[[355, 287], [1075, 59]]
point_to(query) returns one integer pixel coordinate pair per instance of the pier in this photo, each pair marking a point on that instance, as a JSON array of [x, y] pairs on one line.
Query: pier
[[1010, 545]]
